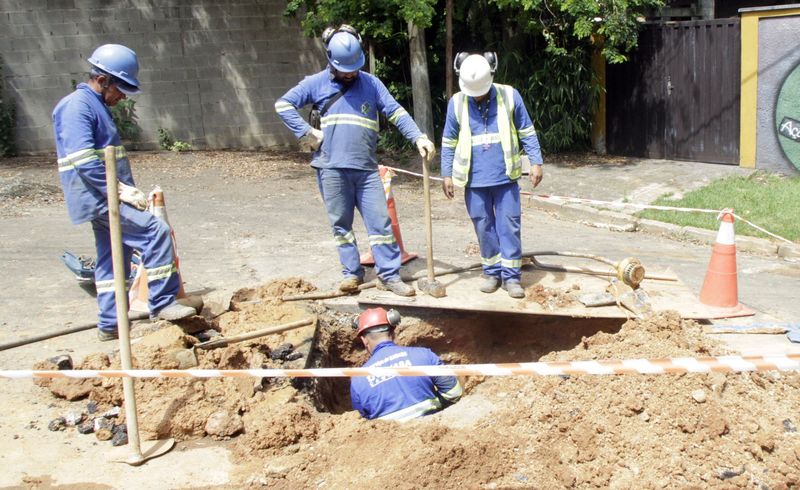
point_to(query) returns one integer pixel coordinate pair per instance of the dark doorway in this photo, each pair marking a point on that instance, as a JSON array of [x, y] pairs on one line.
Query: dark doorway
[[678, 95]]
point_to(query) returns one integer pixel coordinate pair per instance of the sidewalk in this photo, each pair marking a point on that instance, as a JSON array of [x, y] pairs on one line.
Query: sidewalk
[[640, 182]]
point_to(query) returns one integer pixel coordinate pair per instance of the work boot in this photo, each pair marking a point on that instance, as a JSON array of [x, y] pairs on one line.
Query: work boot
[[396, 286], [176, 311], [514, 289], [350, 284], [490, 284], [195, 302], [106, 335]]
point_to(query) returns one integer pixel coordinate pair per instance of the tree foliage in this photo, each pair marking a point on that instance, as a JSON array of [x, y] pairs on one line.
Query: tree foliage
[[562, 23], [544, 47]]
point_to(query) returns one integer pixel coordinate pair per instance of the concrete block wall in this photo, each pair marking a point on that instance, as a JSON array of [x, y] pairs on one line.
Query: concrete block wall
[[211, 70]]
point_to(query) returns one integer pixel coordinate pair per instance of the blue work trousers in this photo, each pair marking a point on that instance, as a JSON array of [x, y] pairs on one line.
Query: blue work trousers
[[343, 190], [495, 212], [151, 236]]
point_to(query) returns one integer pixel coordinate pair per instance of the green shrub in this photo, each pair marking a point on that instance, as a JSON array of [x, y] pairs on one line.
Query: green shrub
[[167, 142], [124, 114]]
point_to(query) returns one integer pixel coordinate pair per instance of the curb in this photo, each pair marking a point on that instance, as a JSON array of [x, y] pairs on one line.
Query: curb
[[611, 220]]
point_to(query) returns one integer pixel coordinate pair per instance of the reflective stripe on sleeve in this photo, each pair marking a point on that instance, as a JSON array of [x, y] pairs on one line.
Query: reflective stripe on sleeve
[[525, 132], [449, 142], [81, 157], [397, 115], [453, 393], [283, 106]]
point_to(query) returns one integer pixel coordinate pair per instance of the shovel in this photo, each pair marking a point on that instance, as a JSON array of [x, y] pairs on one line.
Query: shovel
[[429, 285]]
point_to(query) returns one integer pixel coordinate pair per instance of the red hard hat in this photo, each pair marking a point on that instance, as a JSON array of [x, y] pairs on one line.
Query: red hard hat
[[377, 317]]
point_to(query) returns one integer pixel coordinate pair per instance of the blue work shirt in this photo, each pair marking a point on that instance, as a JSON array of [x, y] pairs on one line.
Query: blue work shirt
[[402, 397], [351, 124], [83, 127], [488, 168]]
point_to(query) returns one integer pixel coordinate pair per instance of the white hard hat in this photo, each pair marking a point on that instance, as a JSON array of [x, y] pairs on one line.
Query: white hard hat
[[475, 76]]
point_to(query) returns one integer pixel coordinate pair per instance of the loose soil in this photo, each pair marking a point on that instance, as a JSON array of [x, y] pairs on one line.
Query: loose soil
[[716, 430]]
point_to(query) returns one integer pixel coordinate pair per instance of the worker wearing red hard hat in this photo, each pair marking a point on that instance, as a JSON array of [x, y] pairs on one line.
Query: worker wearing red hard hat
[[397, 397]]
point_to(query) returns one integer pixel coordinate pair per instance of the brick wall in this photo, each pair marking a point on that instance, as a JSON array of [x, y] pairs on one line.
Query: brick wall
[[210, 69]]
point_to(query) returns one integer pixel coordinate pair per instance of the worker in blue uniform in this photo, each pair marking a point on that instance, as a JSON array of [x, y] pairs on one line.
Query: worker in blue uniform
[[83, 127], [398, 398], [350, 102], [486, 128]]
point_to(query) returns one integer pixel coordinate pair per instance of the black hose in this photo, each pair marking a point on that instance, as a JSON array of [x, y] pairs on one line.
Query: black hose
[[66, 331]]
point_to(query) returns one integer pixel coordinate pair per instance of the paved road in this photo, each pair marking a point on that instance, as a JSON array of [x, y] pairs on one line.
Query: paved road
[[245, 223]]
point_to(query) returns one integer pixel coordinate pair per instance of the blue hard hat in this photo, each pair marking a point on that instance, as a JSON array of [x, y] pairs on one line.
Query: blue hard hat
[[120, 62], [345, 53]]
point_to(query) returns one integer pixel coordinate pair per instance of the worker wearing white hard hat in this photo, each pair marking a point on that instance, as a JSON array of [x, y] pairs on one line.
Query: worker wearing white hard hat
[[486, 130]]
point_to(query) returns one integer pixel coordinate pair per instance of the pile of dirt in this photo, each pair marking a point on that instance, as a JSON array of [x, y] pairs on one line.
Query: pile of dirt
[[551, 298], [714, 430], [192, 408]]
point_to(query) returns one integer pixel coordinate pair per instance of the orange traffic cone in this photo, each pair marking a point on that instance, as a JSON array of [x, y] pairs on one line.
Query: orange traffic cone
[[139, 292], [720, 290], [386, 177]]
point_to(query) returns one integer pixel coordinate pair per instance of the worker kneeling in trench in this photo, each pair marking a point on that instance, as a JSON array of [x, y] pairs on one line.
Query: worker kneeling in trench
[[397, 397]]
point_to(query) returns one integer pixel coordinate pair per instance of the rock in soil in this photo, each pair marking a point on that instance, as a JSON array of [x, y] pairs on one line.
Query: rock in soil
[[62, 362], [86, 427], [57, 424], [119, 439], [73, 418]]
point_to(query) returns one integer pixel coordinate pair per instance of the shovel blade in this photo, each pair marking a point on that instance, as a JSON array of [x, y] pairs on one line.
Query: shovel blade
[[432, 288]]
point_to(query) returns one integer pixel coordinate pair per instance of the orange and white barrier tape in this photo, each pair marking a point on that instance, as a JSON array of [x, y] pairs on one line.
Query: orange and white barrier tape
[[617, 204], [678, 365]]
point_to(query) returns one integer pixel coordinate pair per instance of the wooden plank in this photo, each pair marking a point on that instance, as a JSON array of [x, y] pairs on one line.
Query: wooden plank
[[463, 295]]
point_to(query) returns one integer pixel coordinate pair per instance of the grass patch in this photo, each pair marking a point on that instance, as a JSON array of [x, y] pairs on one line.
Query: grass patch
[[768, 200]]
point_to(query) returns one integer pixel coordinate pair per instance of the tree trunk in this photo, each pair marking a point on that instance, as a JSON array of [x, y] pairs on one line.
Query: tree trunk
[[706, 8], [420, 84], [449, 48]]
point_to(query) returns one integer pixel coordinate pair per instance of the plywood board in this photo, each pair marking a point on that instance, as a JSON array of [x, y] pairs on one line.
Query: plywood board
[[463, 295]]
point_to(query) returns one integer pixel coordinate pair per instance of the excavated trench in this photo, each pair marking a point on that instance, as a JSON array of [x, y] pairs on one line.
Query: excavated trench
[[456, 337], [222, 408]]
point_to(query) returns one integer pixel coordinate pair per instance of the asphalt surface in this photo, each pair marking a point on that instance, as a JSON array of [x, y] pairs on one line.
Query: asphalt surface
[[243, 220]]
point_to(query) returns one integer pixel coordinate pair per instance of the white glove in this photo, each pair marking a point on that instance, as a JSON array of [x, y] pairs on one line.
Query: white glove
[[425, 147], [132, 196], [312, 140]]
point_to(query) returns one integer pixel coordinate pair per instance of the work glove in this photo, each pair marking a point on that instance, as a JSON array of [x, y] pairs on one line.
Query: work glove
[[132, 196], [312, 140], [425, 147]]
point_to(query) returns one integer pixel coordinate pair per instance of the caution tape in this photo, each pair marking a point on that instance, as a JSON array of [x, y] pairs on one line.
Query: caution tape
[[679, 365], [619, 204]]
